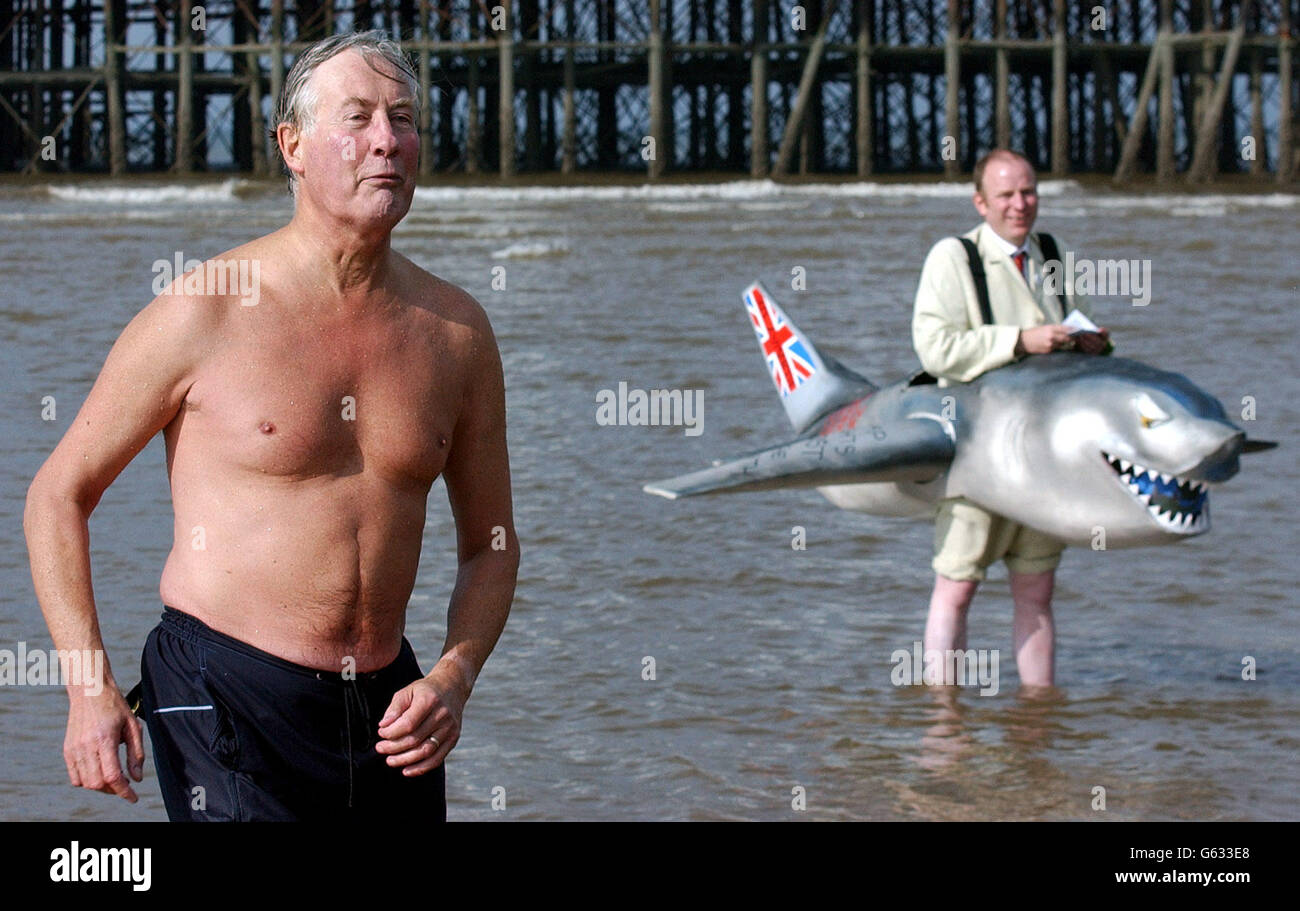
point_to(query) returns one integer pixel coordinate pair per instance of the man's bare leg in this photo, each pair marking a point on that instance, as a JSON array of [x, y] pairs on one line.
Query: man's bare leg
[[945, 628], [1033, 630]]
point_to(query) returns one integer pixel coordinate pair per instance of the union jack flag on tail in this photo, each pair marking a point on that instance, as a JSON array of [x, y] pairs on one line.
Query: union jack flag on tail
[[788, 358], [811, 384]]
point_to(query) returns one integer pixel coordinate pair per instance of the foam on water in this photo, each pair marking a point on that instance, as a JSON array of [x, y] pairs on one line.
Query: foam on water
[[1185, 204], [531, 250], [738, 191], [137, 195]]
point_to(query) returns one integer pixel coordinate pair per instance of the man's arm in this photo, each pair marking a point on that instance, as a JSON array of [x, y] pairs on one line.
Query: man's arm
[[138, 392], [477, 475], [941, 324]]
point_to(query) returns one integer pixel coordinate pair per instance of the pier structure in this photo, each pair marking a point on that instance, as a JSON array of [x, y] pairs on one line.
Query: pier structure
[[1171, 89]]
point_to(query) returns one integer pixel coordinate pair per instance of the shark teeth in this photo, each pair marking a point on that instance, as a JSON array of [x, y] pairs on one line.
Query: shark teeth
[[1178, 505]]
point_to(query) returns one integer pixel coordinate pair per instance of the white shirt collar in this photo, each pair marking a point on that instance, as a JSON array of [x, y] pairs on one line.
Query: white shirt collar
[[1007, 246]]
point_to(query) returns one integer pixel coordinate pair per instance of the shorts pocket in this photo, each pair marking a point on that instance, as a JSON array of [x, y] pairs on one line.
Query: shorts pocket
[[222, 736]]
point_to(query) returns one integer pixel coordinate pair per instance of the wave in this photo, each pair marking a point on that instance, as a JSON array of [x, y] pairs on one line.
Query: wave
[[736, 190], [118, 194], [1215, 203], [531, 250]]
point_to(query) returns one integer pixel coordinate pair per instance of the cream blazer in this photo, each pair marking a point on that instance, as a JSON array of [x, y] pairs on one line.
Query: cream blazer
[[947, 329]]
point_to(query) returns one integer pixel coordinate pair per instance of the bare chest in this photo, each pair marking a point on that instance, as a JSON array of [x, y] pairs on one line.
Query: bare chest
[[308, 405]]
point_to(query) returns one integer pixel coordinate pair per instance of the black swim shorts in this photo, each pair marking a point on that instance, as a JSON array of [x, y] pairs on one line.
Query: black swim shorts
[[240, 734]]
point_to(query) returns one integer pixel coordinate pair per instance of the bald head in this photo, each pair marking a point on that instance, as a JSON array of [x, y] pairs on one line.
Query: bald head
[[995, 157]]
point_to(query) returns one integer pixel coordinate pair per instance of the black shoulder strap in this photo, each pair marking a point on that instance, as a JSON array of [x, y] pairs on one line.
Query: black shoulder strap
[[981, 281], [1052, 252]]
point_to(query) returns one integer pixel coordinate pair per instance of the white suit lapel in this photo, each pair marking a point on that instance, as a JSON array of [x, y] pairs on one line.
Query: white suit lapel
[[1004, 279]]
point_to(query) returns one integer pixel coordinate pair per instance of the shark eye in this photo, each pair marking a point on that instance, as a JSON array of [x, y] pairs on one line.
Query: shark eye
[[1149, 413]]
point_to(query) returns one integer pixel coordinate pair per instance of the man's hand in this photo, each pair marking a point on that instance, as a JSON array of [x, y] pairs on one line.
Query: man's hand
[[1045, 339], [97, 728], [427, 708], [1093, 342], [1042, 339]]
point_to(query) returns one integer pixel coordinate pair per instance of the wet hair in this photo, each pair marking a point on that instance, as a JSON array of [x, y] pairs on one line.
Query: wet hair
[[996, 155], [298, 100]]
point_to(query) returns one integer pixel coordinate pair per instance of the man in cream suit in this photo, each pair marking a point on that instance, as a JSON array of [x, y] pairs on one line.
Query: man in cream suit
[[955, 345]]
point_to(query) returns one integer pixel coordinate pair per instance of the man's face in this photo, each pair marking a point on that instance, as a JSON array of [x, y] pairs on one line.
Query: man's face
[[359, 158], [1008, 200]]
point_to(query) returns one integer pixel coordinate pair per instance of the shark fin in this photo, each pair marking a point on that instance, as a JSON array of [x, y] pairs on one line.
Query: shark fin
[[811, 384], [913, 450]]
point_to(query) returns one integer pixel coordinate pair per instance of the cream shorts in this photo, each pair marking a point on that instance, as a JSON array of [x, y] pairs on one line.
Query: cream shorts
[[968, 540]]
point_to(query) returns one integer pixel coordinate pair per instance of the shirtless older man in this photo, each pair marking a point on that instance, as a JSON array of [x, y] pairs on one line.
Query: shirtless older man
[[303, 434]]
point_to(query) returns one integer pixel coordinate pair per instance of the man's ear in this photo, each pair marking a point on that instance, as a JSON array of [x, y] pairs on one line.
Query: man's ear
[[980, 206], [289, 139]]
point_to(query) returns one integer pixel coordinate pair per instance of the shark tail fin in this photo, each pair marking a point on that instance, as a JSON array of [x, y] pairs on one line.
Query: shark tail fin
[[811, 384]]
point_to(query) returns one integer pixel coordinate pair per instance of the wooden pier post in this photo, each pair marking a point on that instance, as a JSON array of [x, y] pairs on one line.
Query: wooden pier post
[[277, 53], [759, 153], [1205, 66], [426, 94], [569, 142], [1060, 105], [1001, 78], [526, 82], [36, 99], [865, 148], [1207, 137], [113, 88], [1138, 126], [952, 83], [506, 100], [257, 123], [569, 132], [1101, 90], [794, 126], [1285, 114], [1256, 165], [473, 115], [655, 52], [1165, 115], [184, 162]]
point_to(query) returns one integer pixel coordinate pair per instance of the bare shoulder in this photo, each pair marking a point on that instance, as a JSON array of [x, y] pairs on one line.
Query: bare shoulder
[[201, 295], [450, 306]]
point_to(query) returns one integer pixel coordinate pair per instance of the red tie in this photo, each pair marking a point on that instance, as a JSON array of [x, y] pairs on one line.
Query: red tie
[[1019, 257]]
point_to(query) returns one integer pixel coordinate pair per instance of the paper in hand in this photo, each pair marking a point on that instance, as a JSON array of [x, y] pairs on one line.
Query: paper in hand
[[1080, 323]]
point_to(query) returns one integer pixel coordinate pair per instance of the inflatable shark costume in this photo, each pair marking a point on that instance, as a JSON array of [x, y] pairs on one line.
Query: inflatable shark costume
[[1060, 442]]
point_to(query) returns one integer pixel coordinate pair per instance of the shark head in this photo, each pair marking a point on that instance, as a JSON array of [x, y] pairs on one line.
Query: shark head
[[1107, 443]]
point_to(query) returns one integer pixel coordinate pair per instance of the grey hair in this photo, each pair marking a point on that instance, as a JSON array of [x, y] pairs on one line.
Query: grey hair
[[298, 100]]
